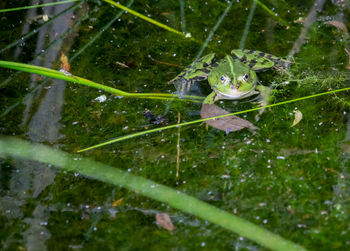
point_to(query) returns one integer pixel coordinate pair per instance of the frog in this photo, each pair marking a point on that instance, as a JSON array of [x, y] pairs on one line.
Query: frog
[[233, 77]]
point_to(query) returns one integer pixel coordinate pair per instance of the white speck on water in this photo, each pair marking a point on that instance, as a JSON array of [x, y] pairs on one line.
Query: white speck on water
[[101, 98]]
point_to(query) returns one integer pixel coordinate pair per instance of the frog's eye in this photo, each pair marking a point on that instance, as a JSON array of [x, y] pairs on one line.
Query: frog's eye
[[245, 78], [224, 79]]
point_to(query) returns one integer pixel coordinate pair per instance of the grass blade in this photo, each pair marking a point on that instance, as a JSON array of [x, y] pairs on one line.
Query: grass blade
[[176, 199], [38, 6], [202, 120], [75, 79]]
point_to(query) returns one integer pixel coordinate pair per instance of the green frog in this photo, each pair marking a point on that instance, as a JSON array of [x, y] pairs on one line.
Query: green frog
[[233, 77]]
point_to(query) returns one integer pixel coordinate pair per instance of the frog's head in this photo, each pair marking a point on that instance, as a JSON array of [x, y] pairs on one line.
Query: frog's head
[[232, 79]]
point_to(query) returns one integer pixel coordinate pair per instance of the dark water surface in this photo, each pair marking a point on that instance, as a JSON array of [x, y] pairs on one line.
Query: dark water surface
[[293, 181]]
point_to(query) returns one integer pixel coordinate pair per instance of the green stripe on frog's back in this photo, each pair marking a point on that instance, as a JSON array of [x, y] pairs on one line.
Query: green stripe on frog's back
[[230, 60]]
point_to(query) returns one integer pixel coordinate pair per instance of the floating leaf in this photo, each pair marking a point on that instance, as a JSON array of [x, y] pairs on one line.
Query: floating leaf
[[297, 117], [226, 124], [164, 221], [64, 62], [117, 202]]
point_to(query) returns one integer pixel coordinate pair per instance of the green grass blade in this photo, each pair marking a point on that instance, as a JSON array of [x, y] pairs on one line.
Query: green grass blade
[[273, 14], [75, 79], [202, 120], [176, 199], [38, 6], [99, 33], [150, 20]]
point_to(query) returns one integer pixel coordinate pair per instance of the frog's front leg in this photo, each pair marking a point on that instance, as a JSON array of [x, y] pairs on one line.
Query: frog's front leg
[[265, 94], [210, 99]]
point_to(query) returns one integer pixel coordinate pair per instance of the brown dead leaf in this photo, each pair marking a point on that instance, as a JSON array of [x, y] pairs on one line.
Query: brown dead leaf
[[164, 221], [297, 117], [64, 62], [226, 124], [341, 26], [117, 202]]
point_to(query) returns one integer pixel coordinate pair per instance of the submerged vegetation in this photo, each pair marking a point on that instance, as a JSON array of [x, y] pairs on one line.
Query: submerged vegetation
[[284, 186]]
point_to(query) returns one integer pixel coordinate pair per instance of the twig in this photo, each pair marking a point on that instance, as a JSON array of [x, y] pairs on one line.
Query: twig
[[178, 147]]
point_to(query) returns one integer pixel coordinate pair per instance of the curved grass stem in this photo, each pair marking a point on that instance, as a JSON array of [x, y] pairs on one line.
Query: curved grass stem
[[75, 79], [202, 120]]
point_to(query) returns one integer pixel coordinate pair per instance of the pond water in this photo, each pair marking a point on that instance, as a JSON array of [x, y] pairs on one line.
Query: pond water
[[291, 180]]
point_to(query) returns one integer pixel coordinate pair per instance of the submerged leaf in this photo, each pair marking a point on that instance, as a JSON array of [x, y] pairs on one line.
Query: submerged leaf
[[297, 117], [164, 221], [226, 124]]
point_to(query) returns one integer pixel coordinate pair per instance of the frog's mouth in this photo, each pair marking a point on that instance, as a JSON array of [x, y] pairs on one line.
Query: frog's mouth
[[235, 93]]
